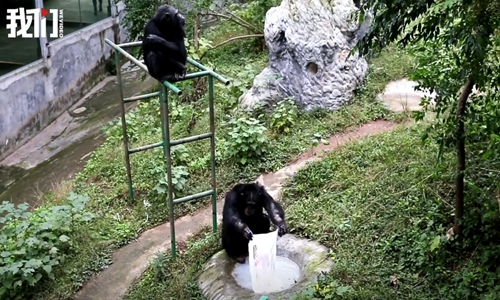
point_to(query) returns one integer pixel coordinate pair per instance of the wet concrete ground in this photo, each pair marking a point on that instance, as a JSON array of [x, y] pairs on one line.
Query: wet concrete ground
[[62, 149]]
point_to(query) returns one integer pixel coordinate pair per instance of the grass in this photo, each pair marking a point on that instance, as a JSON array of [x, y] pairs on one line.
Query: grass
[[103, 179], [383, 206], [182, 285], [176, 279]]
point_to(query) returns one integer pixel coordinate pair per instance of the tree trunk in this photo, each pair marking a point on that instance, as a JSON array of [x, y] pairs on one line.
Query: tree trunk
[[459, 183], [195, 34]]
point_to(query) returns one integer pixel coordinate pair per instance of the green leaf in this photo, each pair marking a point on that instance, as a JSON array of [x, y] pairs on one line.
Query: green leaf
[[47, 268], [435, 243], [341, 290], [64, 238]]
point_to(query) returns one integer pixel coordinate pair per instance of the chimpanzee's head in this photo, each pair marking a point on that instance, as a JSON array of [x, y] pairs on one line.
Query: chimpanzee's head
[[249, 198], [169, 20]]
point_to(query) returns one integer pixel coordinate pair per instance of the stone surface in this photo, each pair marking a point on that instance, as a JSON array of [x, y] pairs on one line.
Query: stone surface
[[217, 281], [401, 96], [309, 42]]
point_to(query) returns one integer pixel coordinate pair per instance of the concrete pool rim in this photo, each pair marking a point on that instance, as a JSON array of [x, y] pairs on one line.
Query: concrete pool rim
[[217, 282]]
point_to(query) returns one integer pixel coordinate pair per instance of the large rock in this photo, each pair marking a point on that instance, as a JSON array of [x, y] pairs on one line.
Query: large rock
[[309, 42]]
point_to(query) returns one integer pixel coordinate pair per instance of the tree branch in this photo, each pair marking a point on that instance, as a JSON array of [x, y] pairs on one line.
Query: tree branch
[[230, 18], [459, 182], [241, 37], [257, 30]]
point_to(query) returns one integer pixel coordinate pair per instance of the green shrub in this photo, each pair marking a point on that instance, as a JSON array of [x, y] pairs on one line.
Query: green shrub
[[33, 243], [284, 116], [180, 176], [246, 139]]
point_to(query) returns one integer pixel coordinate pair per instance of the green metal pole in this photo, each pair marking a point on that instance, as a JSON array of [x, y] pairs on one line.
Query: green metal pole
[[124, 125], [168, 157], [212, 150]]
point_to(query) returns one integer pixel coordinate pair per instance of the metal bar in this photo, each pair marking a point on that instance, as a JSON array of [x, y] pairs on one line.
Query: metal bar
[[172, 87], [202, 67], [212, 150], [167, 153], [11, 63], [124, 126], [130, 44], [42, 40], [195, 75], [194, 197], [190, 139], [144, 148], [141, 97]]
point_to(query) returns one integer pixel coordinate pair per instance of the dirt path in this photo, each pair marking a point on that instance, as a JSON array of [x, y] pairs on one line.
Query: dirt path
[[130, 261]]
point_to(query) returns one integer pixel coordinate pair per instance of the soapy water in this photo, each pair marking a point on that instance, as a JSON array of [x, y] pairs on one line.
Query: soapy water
[[287, 273]]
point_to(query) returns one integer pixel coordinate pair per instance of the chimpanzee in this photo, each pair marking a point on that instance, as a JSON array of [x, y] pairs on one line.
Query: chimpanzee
[[163, 45], [243, 216]]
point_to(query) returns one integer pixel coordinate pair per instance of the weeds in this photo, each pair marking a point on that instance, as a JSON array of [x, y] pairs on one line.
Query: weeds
[[384, 206], [176, 279]]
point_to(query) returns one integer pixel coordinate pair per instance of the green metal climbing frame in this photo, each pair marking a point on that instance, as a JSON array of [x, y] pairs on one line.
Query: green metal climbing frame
[[167, 143]]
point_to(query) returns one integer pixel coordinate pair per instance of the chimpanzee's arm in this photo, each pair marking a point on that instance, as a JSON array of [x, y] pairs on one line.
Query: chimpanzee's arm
[[275, 212], [233, 218], [164, 45]]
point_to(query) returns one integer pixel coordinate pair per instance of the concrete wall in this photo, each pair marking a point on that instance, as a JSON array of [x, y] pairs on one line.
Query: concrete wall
[[33, 96]]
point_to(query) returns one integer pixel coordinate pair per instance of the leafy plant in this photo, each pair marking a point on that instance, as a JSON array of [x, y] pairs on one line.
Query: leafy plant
[[203, 46], [318, 138], [246, 139], [255, 11], [179, 180], [284, 115], [33, 243], [180, 155], [326, 288], [136, 122]]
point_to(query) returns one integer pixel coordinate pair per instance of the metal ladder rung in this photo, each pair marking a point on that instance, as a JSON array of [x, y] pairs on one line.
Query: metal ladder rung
[[194, 196], [143, 148], [172, 143], [191, 139], [141, 97]]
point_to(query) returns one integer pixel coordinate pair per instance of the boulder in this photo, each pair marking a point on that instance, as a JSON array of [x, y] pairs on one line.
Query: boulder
[[309, 44]]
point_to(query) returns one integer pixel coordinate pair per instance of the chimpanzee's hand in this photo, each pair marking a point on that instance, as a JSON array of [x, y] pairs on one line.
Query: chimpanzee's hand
[[248, 233], [153, 37], [281, 229]]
